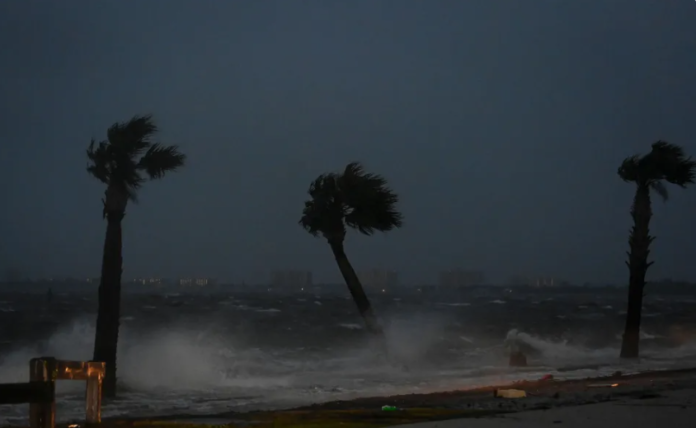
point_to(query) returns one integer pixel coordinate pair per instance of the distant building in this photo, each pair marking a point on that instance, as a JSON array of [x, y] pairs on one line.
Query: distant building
[[147, 281], [379, 279], [535, 280], [460, 278], [291, 279], [196, 282]]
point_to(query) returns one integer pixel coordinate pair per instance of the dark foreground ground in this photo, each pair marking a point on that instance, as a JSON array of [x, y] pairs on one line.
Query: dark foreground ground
[[414, 408]]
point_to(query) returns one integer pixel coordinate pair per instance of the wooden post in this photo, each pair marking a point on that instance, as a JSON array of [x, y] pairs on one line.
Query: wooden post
[[95, 375], [43, 415]]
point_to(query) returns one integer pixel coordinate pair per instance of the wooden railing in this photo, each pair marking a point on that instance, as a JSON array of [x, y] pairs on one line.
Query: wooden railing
[[40, 391]]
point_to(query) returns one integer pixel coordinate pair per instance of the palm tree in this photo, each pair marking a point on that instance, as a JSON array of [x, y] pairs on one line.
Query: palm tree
[[357, 200], [124, 161], [665, 162]]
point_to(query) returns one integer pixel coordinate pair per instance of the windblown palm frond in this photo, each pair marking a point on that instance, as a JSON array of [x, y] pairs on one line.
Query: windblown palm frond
[[128, 152], [660, 189], [672, 163], [628, 170], [324, 208], [354, 198], [158, 160], [666, 162], [132, 137]]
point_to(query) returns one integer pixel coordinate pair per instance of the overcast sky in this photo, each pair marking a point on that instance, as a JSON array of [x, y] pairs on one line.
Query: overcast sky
[[500, 123]]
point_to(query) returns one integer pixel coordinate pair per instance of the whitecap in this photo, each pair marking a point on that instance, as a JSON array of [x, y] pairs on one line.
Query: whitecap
[[350, 326], [498, 302]]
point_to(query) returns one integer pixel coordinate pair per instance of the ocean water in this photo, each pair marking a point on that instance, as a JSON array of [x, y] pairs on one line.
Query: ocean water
[[203, 354]]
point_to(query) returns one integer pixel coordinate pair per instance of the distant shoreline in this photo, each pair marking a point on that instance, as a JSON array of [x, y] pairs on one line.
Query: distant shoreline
[[661, 289]]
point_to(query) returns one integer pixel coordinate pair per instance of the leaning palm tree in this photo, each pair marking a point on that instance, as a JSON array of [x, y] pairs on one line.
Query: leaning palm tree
[[124, 162], [665, 162], [357, 200]]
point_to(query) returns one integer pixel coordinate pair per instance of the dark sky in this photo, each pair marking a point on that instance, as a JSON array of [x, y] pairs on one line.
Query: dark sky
[[500, 123]]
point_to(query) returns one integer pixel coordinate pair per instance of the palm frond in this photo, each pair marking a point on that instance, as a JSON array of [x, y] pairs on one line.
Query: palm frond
[[99, 161], [311, 218], [353, 198], [158, 160], [668, 149], [125, 174], [133, 137], [660, 189], [672, 163], [133, 194], [324, 211], [628, 171], [128, 157]]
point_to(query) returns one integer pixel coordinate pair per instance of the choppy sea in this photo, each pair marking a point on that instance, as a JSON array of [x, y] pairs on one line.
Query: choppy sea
[[203, 354]]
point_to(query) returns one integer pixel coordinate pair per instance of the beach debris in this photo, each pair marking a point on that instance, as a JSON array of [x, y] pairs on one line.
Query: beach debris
[[387, 408], [603, 385], [509, 393], [546, 377]]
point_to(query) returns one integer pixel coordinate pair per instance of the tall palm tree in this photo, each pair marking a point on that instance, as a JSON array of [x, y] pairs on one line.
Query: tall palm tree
[[665, 162], [124, 162], [357, 200]]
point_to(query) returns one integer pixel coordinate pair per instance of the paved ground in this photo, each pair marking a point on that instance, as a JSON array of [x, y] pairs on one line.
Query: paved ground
[[675, 409]]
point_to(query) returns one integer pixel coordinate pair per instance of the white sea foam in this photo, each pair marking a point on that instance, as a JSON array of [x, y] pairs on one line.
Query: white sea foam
[[181, 368], [351, 326]]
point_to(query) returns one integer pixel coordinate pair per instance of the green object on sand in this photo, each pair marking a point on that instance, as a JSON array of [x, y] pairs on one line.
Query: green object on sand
[[390, 408]]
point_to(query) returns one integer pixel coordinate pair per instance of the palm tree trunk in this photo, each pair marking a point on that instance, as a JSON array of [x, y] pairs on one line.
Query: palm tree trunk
[[355, 288], [639, 243], [108, 317]]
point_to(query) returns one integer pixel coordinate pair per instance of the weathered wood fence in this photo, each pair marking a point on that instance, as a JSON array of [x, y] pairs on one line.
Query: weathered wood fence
[[40, 391]]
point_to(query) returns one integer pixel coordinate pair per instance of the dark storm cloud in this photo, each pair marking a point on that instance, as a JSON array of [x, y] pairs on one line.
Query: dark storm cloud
[[500, 123]]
